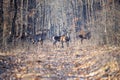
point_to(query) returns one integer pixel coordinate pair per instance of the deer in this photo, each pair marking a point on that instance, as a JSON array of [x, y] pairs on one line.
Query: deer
[[62, 38], [84, 35], [40, 37]]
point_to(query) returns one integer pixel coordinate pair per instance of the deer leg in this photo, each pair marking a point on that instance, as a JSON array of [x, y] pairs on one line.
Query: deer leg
[[67, 44], [41, 42], [81, 40], [62, 44], [32, 41], [54, 43]]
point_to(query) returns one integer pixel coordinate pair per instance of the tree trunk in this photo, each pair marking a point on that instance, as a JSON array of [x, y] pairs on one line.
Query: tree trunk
[[13, 29], [1, 22], [5, 24], [21, 19]]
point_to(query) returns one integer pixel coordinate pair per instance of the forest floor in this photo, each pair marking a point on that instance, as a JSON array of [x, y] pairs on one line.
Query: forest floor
[[55, 63]]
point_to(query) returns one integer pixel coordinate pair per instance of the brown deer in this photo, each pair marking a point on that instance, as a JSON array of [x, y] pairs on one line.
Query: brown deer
[[63, 39], [40, 37], [84, 35]]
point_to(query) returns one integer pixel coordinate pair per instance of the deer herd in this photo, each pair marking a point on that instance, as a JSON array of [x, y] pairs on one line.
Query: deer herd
[[65, 38]]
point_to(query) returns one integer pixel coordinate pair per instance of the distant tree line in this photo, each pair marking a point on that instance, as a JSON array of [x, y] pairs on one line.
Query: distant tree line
[[22, 18]]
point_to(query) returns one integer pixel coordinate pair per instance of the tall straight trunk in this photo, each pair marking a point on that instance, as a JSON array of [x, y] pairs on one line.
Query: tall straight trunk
[[21, 18], [26, 16], [116, 39], [5, 24], [4, 34], [1, 22], [87, 11], [34, 18], [105, 18], [13, 28], [73, 23], [44, 14], [83, 2]]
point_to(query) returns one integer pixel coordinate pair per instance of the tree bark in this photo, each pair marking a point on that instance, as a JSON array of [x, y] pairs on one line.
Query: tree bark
[[1, 22], [13, 28]]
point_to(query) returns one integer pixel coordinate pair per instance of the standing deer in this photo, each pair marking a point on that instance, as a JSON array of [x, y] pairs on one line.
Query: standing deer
[[84, 35], [40, 37], [63, 39]]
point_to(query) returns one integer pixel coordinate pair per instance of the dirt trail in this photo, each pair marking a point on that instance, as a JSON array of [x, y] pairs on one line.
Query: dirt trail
[[72, 63]]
